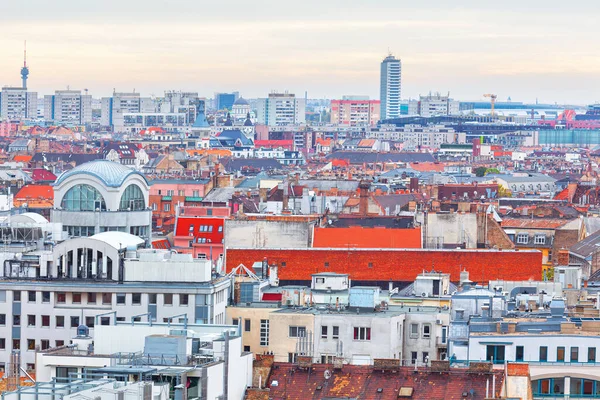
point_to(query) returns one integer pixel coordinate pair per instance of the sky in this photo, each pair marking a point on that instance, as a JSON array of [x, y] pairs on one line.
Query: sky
[[526, 50]]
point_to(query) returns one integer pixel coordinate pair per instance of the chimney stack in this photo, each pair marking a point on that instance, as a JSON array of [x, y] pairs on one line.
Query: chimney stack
[[363, 204]]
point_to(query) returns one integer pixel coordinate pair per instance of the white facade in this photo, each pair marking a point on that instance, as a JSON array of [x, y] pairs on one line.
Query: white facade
[[68, 107], [281, 109], [414, 136], [434, 105], [113, 108], [17, 104], [390, 87]]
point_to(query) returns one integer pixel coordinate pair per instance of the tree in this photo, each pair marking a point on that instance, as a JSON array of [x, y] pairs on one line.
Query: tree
[[480, 171], [491, 171]]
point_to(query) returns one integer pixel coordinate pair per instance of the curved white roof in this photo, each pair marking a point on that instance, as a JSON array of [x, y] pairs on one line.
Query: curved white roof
[[110, 173], [29, 217], [118, 240]]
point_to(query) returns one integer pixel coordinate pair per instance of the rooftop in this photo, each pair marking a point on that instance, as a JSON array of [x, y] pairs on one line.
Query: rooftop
[[112, 174]]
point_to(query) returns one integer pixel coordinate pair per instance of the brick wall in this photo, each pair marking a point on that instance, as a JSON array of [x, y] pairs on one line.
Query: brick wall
[[391, 264]]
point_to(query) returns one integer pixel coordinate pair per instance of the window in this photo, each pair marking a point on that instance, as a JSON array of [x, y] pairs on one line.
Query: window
[[220, 228], [31, 296], [132, 199], [196, 193], [61, 298], [91, 298], [76, 298], [335, 334], [425, 357], [45, 297], [426, 330], [2, 343], [495, 353], [167, 207], [181, 192], [30, 344], [136, 299], [152, 298], [326, 264], [370, 265], [247, 325], [74, 322], [297, 331], [519, 353], [89, 322], [59, 343], [168, 299], [414, 331], [45, 321], [60, 321], [106, 298], [560, 354], [264, 332], [324, 331], [17, 295], [16, 320], [247, 349], [184, 299], [2, 319], [16, 344], [574, 354], [543, 353], [31, 320], [45, 344], [292, 357], [121, 298], [591, 354], [362, 333], [170, 192], [522, 238], [413, 357], [539, 239], [83, 198]]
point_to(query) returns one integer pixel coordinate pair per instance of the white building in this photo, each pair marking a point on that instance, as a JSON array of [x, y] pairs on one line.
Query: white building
[[178, 361], [17, 104], [98, 281], [390, 87], [281, 109], [415, 136], [101, 196], [68, 107], [113, 108], [433, 105]]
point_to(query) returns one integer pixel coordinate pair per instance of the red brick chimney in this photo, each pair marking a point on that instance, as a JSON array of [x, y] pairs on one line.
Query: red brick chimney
[[363, 192], [563, 257]]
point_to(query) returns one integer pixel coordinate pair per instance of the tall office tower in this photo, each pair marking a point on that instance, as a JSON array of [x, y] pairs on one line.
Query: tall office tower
[[224, 101], [17, 104], [68, 107], [391, 73], [281, 109]]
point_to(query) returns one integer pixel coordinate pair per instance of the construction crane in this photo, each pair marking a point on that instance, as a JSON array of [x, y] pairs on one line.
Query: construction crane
[[493, 98]]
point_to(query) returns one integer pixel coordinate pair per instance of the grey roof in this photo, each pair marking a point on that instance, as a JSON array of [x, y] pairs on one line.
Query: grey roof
[[240, 102], [324, 185], [263, 164], [592, 224], [359, 157], [66, 157], [390, 201], [588, 246], [530, 177], [12, 174], [110, 173], [220, 195]]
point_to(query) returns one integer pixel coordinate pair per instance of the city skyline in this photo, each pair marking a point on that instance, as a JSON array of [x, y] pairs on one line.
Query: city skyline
[[523, 51]]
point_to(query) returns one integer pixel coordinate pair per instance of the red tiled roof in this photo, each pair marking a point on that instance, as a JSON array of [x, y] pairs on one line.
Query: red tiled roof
[[274, 143], [427, 167], [535, 223], [324, 142], [35, 192], [163, 244], [364, 382], [399, 265], [22, 158], [40, 174]]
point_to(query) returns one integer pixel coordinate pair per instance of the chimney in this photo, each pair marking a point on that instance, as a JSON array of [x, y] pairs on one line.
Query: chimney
[[413, 184], [563, 257], [363, 204]]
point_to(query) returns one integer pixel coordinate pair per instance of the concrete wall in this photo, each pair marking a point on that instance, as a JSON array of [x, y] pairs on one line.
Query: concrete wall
[[450, 229], [279, 341], [252, 337], [267, 234]]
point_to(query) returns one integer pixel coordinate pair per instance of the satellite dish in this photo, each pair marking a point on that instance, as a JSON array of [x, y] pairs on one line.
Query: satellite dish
[[327, 374]]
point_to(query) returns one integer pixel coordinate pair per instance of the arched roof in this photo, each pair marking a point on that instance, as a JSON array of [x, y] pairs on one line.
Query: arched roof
[[240, 102], [29, 217], [112, 174], [118, 240]]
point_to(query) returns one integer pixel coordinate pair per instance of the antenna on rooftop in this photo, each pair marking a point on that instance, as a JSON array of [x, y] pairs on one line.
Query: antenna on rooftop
[[25, 55]]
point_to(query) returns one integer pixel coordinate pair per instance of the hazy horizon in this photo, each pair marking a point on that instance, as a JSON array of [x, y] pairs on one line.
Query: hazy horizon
[[523, 50]]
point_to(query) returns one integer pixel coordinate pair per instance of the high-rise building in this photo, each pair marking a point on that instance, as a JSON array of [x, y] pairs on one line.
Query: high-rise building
[[433, 105], [281, 109], [390, 87], [224, 101], [355, 112], [68, 107], [113, 108], [17, 104]]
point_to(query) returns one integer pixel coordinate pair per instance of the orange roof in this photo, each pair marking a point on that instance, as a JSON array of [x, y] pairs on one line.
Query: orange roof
[[366, 143], [36, 196], [216, 152], [22, 158], [324, 142], [536, 223], [427, 167]]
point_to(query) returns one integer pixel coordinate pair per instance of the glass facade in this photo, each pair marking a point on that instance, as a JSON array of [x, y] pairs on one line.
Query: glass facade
[[132, 199], [83, 198]]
